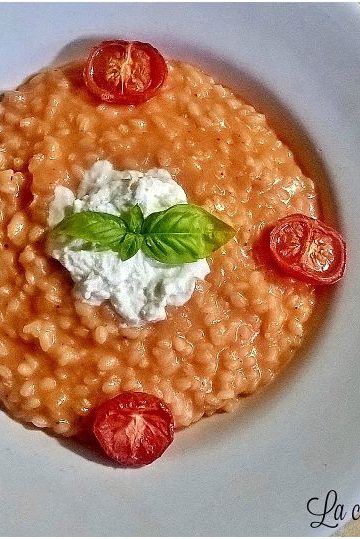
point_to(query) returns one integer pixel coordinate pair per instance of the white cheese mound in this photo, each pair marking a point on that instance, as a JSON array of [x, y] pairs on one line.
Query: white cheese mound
[[139, 288]]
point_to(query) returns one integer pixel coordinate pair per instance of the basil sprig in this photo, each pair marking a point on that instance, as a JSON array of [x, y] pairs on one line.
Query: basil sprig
[[183, 233]]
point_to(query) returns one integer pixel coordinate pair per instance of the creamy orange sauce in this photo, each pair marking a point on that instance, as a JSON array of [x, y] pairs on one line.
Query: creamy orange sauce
[[59, 357]]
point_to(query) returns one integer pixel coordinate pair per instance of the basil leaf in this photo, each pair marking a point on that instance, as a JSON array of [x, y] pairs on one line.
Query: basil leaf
[[133, 218], [129, 245], [101, 230], [183, 233]]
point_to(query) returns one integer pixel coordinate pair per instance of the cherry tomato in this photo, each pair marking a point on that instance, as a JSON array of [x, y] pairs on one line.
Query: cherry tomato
[[308, 250], [134, 428], [125, 72]]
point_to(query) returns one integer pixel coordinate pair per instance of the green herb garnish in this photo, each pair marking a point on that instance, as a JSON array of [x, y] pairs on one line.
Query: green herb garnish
[[183, 233]]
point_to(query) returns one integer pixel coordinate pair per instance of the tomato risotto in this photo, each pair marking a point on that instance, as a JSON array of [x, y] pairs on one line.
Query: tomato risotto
[[61, 357]]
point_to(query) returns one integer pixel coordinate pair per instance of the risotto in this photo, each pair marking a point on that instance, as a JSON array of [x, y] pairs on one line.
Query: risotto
[[60, 357]]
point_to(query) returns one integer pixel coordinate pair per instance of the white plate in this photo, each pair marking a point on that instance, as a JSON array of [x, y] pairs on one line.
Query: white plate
[[252, 472]]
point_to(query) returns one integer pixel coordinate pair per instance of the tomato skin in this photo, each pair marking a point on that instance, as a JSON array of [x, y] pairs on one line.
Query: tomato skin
[[308, 250], [134, 428], [147, 62]]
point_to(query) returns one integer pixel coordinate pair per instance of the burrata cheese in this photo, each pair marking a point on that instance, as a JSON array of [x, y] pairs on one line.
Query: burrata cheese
[[140, 288]]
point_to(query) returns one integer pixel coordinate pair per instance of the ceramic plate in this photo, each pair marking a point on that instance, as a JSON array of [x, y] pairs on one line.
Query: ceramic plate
[[253, 471]]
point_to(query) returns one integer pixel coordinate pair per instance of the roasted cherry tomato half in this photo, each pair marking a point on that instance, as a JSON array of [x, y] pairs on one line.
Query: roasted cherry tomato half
[[124, 72], [308, 250], [134, 428]]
